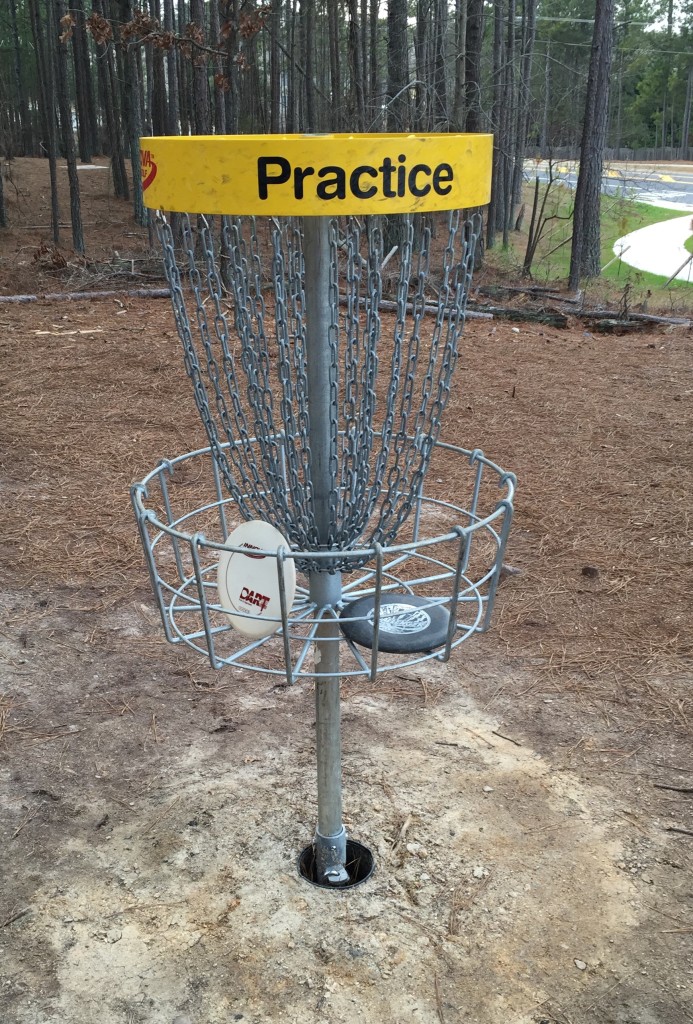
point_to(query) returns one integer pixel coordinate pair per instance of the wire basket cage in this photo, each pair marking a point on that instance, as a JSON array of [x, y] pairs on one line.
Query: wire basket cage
[[450, 553]]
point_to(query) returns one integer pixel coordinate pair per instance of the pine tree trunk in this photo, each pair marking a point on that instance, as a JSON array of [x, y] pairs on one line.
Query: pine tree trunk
[[496, 203], [58, 10], [544, 140], [172, 109], [275, 118], [3, 211], [201, 116], [363, 58], [148, 92], [441, 117], [356, 67], [233, 95], [27, 135], [333, 19], [523, 97], [460, 56], [373, 65], [131, 117], [585, 255], [420, 53], [253, 91], [509, 125], [159, 105], [398, 118], [44, 70], [109, 96], [80, 57], [184, 78], [308, 25], [472, 64], [291, 90], [218, 67], [686, 122], [398, 110]]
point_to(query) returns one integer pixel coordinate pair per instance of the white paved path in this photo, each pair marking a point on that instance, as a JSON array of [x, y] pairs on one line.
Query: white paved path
[[659, 248]]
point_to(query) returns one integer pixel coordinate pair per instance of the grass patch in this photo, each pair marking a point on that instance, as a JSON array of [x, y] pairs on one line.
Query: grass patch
[[619, 216]]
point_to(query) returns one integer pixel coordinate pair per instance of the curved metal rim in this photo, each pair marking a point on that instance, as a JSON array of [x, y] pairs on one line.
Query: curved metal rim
[[376, 572], [470, 595], [505, 479]]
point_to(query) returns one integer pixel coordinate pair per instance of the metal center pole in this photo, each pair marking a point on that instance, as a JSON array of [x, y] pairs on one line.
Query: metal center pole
[[325, 588]]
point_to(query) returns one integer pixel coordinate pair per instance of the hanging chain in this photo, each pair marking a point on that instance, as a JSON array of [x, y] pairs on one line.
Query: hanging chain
[[246, 358]]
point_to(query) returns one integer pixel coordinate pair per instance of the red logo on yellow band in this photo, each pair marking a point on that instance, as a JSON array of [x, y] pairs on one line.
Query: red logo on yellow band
[[148, 168]]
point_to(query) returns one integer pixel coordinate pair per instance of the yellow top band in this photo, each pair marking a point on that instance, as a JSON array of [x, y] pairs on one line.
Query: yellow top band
[[316, 175]]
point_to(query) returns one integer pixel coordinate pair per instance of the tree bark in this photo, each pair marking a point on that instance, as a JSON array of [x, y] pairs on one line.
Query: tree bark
[[398, 106], [291, 90], [497, 200], [54, 40], [83, 92], [337, 116], [44, 66], [544, 139], [363, 61], [131, 117], [218, 67], [460, 55], [523, 97], [356, 68], [201, 115], [472, 64], [585, 255], [308, 25], [27, 135], [441, 117], [509, 125], [3, 210], [423, 8], [397, 67], [232, 73], [373, 23], [109, 97], [686, 122], [159, 111], [172, 106], [275, 118]]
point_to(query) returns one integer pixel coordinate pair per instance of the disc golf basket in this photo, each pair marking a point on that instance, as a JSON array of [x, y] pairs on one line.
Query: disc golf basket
[[320, 338]]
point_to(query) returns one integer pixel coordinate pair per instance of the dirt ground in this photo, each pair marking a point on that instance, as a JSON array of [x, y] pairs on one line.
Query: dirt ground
[[528, 804]]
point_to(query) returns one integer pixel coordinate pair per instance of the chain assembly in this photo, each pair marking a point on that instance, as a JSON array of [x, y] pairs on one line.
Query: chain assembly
[[239, 304]]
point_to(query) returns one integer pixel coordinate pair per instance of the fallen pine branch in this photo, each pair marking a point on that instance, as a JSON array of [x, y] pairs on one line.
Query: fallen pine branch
[[618, 325], [130, 293], [499, 291], [610, 314], [552, 317], [429, 307]]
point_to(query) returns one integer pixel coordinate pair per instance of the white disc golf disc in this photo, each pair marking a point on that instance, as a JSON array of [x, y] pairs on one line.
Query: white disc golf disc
[[248, 582]]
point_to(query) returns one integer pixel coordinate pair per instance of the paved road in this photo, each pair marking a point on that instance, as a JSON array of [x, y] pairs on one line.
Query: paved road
[[668, 186], [659, 248]]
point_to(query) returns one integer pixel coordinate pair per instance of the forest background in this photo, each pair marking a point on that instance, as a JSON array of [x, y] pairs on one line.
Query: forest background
[[550, 79]]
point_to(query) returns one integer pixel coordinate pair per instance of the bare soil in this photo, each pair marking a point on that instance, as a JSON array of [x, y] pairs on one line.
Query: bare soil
[[528, 804]]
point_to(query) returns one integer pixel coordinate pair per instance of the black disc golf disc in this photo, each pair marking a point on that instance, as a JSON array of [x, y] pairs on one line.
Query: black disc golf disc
[[408, 624]]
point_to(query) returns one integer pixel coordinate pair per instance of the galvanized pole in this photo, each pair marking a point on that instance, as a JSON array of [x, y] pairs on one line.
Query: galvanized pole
[[325, 587]]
